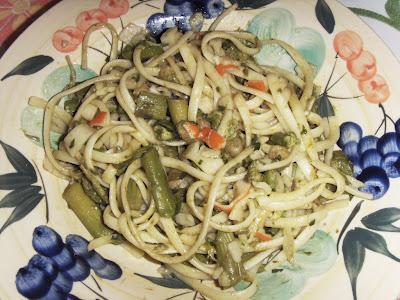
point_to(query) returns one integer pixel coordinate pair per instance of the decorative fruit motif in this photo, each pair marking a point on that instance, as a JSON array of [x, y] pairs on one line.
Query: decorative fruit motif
[[51, 273], [114, 8], [374, 159], [348, 44], [89, 17], [375, 90], [363, 67], [67, 39]]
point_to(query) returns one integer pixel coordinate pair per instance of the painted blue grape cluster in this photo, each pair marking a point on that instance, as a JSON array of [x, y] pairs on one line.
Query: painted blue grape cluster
[[50, 274], [177, 13], [375, 160]]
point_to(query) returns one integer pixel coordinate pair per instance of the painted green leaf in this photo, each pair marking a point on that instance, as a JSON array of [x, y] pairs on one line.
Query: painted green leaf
[[30, 66], [19, 196], [22, 210], [18, 160], [374, 15], [382, 220], [392, 8], [325, 108], [13, 181], [325, 16], [350, 218], [374, 242], [170, 282], [354, 255], [251, 4]]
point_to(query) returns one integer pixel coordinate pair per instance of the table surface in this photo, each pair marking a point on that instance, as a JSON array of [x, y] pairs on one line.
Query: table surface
[[383, 16]]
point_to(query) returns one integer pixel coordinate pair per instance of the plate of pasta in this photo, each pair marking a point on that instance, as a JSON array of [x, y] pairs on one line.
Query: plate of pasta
[[201, 149]]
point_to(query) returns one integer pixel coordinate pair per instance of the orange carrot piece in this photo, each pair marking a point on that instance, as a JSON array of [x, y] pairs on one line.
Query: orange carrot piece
[[212, 138], [98, 119], [263, 236], [222, 68], [257, 84]]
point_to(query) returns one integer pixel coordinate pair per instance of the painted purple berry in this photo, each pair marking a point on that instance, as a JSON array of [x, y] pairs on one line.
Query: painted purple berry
[[376, 181], [32, 282], [370, 158], [349, 132], [111, 271], [79, 271], [46, 241]]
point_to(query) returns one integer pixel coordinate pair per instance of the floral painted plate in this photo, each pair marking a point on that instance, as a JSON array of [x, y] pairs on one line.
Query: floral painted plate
[[355, 253]]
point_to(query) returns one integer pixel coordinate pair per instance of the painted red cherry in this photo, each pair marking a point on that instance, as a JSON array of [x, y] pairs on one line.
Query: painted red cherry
[[363, 67], [348, 44], [114, 8], [89, 17], [375, 90], [67, 39]]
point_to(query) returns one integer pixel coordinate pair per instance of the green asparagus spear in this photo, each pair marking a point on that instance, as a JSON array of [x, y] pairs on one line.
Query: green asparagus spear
[[103, 194], [121, 167], [90, 191], [178, 109], [153, 106], [134, 196], [164, 198], [88, 212], [234, 270]]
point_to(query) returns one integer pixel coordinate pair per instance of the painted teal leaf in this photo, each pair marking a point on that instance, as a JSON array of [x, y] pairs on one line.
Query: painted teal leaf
[[382, 220], [279, 23], [325, 16], [310, 44], [18, 160], [19, 196], [282, 283], [354, 255], [251, 4], [350, 218], [12, 181], [316, 256], [274, 23], [374, 242], [170, 282], [392, 8], [22, 210], [30, 66], [32, 126], [58, 79]]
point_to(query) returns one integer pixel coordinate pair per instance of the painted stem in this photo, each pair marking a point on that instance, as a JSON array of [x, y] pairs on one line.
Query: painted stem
[[371, 14], [93, 291], [45, 193], [140, 2]]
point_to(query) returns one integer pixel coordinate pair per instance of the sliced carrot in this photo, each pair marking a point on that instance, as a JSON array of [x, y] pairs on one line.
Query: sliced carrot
[[263, 236], [222, 68], [212, 138], [192, 129], [257, 84], [98, 119], [228, 208], [225, 208]]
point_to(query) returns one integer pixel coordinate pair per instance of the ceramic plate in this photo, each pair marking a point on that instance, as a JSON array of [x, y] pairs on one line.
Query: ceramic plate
[[362, 263]]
